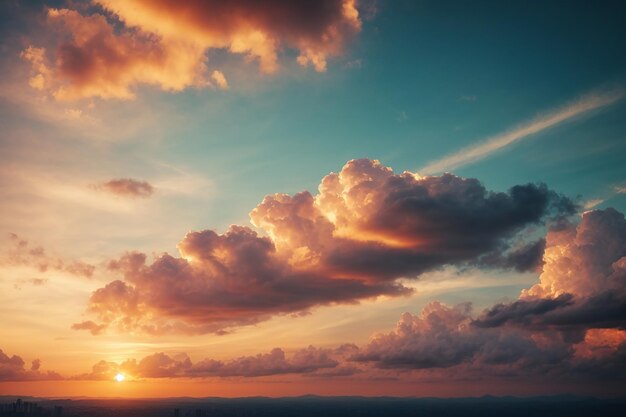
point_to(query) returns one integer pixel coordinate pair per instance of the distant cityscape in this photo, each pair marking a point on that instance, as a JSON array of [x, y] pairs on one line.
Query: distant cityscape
[[314, 406], [21, 408]]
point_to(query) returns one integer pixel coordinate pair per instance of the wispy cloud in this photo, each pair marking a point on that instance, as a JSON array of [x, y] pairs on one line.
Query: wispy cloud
[[544, 121], [590, 204]]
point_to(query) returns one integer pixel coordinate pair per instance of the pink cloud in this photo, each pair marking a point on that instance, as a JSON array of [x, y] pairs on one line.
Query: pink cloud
[[366, 228]]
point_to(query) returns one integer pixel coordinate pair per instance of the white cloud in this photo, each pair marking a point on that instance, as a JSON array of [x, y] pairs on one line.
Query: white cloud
[[544, 121]]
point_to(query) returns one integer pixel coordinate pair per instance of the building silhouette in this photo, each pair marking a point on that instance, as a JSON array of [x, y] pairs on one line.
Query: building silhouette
[[21, 408]]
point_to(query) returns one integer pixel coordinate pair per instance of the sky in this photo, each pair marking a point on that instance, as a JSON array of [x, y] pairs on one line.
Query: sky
[[411, 198]]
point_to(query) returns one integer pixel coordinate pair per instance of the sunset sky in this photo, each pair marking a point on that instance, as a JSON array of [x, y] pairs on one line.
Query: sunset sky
[[332, 197]]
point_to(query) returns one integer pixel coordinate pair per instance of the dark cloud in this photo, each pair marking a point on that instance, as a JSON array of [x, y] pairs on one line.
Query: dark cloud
[[522, 312], [525, 258]]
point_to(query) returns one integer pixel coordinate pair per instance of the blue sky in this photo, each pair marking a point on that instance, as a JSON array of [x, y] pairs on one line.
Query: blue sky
[[430, 80]]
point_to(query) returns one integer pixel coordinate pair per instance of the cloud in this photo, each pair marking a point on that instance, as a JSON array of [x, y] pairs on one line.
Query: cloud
[[22, 252], [570, 324], [12, 368], [365, 229], [94, 328], [444, 342], [569, 327], [467, 98], [94, 60], [126, 187], [221, 281], [219, 79], [437, 338], [303, 361], [161, 365], [544, 121], [583, 283], [164, 43], [523, 258], [35, 282], [586, 259]]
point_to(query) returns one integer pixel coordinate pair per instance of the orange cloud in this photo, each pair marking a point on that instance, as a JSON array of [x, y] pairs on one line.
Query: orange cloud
[[93, 60], [164, 43], [318, 30]]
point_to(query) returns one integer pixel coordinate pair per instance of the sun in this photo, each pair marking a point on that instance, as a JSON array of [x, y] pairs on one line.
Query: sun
[[119, 377]]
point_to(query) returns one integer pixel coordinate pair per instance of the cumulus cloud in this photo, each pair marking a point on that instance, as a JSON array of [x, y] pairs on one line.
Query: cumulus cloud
[[365, 229], [165, 43], [22, 252], [126, 187], [443, 337], [570, 324], [583, 283], [417, 340], [443, 341], [220, 281], [13, 368]]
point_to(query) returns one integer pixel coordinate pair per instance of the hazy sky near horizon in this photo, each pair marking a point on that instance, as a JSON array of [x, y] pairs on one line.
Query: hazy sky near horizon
[[370, 197]]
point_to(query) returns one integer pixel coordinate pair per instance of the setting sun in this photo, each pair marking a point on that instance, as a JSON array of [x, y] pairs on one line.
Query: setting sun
[[119, 377]]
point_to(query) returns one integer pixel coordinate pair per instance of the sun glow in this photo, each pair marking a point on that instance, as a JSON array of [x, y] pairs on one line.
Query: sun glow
[[119, 377]]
